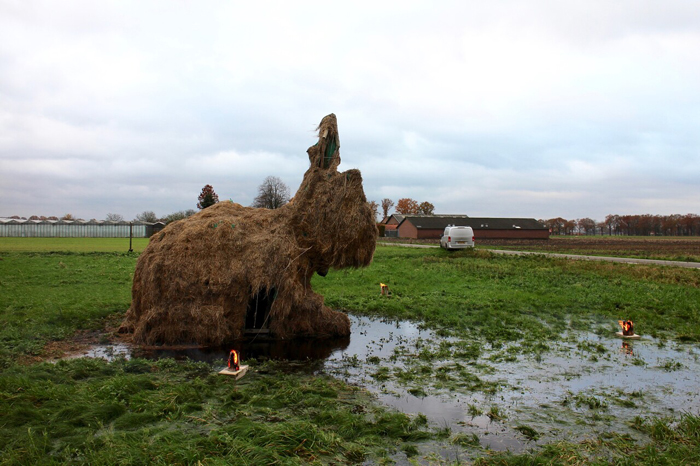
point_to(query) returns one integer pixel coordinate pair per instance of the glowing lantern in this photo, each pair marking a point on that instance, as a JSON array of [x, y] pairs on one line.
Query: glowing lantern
[[627, 327], [233, 360]]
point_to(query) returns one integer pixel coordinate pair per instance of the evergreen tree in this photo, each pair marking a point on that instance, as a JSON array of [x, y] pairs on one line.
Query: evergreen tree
[[207, 198]]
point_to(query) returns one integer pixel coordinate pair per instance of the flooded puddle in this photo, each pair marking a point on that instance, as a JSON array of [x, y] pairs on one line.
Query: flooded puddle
[[292, 350], [584, 385]]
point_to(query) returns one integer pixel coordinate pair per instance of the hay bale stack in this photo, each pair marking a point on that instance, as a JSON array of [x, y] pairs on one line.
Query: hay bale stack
[[198, 276]]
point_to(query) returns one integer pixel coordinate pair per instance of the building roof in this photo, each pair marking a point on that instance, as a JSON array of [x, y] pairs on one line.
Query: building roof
[[493, 223], [439, 222], [400, 217], [434, 222]]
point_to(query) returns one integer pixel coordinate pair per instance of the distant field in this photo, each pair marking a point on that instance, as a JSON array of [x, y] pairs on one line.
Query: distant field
[[71, 244], [676, 248]]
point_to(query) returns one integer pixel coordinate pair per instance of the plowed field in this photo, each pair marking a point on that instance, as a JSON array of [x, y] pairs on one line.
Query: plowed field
[[667, 248]]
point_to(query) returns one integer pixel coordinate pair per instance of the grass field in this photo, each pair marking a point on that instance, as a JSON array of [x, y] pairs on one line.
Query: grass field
[[525, 297], [134, 412], [144, 412], [71, 244]]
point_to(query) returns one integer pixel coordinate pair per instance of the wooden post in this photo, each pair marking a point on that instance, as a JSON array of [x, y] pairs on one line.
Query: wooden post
[[131, 235]]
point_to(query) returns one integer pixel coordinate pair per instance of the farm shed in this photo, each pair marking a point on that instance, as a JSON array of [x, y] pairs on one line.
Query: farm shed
[[432, 226], [391, 224], [21, 228]]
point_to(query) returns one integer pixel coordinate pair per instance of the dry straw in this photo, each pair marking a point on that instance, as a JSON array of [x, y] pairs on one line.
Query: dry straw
[[196, 278]]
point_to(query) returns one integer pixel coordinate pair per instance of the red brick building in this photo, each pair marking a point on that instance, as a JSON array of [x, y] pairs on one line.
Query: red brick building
[[432, 226]]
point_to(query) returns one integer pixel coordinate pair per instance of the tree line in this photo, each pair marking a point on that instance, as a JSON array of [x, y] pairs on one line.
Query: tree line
[[407, 206], [272, 194], [146, 216], [628, 225]]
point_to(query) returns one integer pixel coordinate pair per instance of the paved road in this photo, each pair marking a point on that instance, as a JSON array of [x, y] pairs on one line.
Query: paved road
[[624, 260]]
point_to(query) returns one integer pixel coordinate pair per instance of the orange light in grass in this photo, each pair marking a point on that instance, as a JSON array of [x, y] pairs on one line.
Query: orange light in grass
[[233, 360], [627, 327]]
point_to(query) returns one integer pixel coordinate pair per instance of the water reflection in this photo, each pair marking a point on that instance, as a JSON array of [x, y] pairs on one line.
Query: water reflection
[[255, 348], [627, 348]]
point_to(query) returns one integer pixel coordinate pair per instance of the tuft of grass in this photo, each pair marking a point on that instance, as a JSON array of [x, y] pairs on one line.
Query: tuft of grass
[[670, 365], [474, 411], [466, 440], [529, 433], [589, 401], [495, 413]]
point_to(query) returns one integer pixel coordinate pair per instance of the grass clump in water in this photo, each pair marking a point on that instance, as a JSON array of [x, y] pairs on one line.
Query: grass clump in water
[[466, 440], [529, 433]]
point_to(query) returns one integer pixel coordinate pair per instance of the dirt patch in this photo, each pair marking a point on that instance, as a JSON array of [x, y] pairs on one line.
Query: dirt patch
[[81, 342]]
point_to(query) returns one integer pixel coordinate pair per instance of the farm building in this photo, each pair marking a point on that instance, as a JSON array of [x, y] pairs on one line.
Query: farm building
[[432, 226], [391, 225], [21, 228]]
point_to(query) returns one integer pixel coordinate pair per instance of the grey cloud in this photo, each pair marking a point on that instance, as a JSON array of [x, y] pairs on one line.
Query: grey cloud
[[501, 108]]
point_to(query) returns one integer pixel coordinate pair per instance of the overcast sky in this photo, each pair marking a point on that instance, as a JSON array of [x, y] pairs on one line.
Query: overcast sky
[[502, 108]]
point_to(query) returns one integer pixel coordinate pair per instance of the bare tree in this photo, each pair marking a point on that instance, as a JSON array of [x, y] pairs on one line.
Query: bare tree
[[426, 208], [272, 194], [114, 218], [179, 215], [387, 204], [670, 224], [600, 227], [407, 206], [147, 216], [586, 226], [375, 209], [569, 227], [556, 225], [612, 221]]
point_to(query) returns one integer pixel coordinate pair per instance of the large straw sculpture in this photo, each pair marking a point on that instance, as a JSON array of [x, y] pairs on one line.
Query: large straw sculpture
[[200, 278]]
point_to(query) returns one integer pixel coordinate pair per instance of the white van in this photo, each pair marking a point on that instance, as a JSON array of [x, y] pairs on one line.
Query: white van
[[457, 238]]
